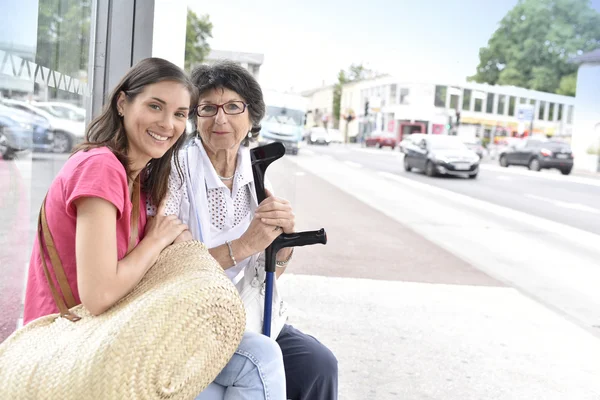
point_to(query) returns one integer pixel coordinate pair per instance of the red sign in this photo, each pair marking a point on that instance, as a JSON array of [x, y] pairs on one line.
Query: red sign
[[391, 125], [437, 129]]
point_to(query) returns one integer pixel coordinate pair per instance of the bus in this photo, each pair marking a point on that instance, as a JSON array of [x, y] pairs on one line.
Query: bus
[[284, 120]]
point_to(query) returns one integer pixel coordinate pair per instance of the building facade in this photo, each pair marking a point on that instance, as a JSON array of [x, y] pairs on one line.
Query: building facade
[[586, 133], [251, 61], [405, 107]]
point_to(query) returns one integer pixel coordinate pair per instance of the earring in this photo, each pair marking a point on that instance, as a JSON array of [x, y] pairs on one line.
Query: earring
[[120, 114]]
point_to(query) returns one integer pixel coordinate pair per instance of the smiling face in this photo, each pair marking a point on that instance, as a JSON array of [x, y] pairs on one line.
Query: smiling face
[[223, 131], [154, 120]]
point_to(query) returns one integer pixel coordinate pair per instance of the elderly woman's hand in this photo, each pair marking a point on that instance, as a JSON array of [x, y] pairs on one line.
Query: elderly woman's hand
[[276, 212]]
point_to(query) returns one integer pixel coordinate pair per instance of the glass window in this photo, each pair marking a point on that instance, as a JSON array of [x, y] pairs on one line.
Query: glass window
[[454, 101], [570, 115], [404, 96], [511, 105], [501, 104], [541, 110], [440, 96], [551, 112], [489, 107], [478, 105], [393, 89], [522, 100], [559, 117], [44, 50], [467, 99]]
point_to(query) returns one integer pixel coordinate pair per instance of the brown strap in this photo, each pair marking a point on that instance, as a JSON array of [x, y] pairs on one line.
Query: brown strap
[[58, 300], [135, 215], [48, 240], [55, 260]]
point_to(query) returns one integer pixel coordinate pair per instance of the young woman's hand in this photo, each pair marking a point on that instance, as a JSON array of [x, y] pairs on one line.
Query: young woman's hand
[[164, 229]]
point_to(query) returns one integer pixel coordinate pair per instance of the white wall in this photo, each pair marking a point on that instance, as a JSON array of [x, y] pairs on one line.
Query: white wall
[[587, 114], [168, 40], [322, 100]]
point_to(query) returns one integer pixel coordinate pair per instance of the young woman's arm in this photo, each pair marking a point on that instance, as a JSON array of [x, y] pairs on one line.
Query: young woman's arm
[[103, 280]]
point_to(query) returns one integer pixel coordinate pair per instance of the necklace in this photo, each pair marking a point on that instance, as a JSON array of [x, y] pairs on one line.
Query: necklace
[[224, 178]]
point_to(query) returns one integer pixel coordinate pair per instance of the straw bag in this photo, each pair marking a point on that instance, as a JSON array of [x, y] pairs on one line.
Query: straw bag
[[167, 339]]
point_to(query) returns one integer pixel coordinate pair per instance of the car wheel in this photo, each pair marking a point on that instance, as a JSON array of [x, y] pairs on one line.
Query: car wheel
[[565, 171], [4, 148], [503, 161], [534, 164], [473, 176], [379, 145], [430, 169], [407, 166], [62, 143]]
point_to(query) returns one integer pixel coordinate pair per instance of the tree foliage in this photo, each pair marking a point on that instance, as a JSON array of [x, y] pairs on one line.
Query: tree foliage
[[198, 31], [534, 43]]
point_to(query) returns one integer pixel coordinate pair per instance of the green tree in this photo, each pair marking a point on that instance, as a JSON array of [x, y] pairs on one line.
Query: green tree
[[63, 39], [534, 42], [198, 30], [356, 72]]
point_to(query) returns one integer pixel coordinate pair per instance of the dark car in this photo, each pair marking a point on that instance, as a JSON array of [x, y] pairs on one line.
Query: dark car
[[441, 155], [14, 137], [539, 154], [381, 139], [41, 135]]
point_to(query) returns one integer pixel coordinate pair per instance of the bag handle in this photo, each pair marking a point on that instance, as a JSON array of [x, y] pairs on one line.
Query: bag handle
[[48, 240]]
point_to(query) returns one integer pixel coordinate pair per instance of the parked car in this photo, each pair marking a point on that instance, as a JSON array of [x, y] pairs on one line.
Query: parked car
[[411, 139], [66, 133], [475, 145], [500, 145], [41, 136], [381, 139], [538, 153], [443, 155], [319, 135], [14, 137], [63, 110]]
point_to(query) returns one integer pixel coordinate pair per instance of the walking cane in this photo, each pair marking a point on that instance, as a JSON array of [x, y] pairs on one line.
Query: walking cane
[[262, 157]]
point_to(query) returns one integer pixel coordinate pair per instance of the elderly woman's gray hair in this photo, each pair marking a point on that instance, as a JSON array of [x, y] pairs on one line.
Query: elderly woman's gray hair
[[229, 75]]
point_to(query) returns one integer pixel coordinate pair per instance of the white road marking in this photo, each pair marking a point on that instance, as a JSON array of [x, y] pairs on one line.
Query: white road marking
[[564, 204], [353, 164], [542, 175]]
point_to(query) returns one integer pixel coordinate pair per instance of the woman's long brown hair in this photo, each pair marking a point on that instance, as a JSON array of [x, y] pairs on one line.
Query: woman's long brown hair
[[108, 130]]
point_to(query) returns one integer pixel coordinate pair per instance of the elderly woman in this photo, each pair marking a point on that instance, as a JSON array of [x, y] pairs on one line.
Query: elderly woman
[[217, 200]]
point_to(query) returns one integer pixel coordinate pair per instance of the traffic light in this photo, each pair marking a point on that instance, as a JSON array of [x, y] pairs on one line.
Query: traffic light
[[367, 108]]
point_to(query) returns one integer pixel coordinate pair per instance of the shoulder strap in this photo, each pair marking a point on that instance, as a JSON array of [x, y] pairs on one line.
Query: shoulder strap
[[135, 215], [45, 237]]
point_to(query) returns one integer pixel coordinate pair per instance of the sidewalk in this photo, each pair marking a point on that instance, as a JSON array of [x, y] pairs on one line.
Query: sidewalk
[[409, 320]]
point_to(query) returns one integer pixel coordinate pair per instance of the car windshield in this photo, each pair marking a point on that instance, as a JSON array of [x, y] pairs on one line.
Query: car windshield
[[557, 146], [446, 143], [284, 116]]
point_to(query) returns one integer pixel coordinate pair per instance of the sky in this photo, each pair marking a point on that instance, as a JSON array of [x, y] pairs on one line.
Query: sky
[[305, 43]]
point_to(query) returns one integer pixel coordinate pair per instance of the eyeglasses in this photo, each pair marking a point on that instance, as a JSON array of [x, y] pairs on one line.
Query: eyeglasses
[[229, 108]]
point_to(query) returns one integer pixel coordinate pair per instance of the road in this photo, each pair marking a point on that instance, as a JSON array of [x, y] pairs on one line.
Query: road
[[569, 200]]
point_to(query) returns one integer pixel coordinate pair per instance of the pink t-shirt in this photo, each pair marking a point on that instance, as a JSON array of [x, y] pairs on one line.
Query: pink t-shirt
[[95, 173]]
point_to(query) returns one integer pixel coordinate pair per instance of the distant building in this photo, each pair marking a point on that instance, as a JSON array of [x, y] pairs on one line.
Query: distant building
[[404, 107], [320, 107], [251, 61], [586, 133]]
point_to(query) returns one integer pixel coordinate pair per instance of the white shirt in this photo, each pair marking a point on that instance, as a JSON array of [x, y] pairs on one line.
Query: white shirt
[[201, 200], [230, 211]]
